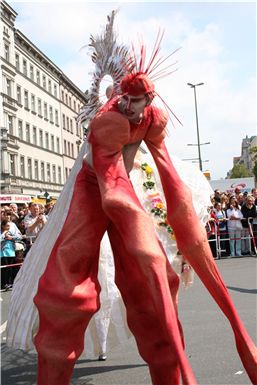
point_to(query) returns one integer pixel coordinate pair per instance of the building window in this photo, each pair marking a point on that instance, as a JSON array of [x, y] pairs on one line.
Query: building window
[[20, 129], [26, 99], [44, 81], [29, 168], [25, 70], [10, 120], [8, 84], [42, 171], [27, 132], [58, 145], [55, 90], [36, 171], [62, 95], [17, 62], [31, 72], [49, 86], [39, 107], [34, 135], [45, 111], [66, 173], [56, 118], [68, 123], [22, 166], [59, 175], [38, 77], [12, 164], [66, 99], [7, 51], [48, 173], [18, 94], [71, 126], [65, 147], [41, 141], [63, 121], [47, 140], [77, 129], [52, 142], [72, 150], [51, 116], [33, 103], [54, 173], [69, 148], [70, 101]]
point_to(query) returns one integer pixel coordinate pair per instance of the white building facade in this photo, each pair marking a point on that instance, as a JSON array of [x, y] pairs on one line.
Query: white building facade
[[40, 137]]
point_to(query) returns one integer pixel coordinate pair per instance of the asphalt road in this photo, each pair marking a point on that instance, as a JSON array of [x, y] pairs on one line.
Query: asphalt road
[[209, 340]]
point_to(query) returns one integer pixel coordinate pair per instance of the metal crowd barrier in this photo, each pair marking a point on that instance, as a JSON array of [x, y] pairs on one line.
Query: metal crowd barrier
[[31, 240], [218, 239]]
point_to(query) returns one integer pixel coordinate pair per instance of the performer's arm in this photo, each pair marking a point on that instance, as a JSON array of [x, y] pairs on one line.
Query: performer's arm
[[109, 137], [180, 208]]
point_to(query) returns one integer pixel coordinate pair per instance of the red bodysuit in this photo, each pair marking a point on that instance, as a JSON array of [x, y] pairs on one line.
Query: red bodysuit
[[104, 200]]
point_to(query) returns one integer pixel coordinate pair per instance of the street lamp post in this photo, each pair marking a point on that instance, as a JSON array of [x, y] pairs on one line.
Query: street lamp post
[[197, 126]]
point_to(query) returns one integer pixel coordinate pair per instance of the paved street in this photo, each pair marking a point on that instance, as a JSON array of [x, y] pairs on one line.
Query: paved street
[[209, 340]]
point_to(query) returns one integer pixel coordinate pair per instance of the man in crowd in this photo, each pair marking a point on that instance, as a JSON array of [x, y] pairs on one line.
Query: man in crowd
[[34, 221], [248, 210]]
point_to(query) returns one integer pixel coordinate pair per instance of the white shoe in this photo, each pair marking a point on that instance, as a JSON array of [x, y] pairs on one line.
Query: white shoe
[[102, 357]]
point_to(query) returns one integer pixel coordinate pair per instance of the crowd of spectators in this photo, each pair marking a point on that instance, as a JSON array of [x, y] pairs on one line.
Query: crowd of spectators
[[20, 226], [232, 227]]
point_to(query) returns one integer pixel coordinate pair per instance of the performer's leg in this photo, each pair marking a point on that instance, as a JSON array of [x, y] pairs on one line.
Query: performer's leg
[[193, 244], [149, 289], [68, 290]]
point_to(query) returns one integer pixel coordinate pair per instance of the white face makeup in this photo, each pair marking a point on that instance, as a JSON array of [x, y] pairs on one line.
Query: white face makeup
[[133, 107]]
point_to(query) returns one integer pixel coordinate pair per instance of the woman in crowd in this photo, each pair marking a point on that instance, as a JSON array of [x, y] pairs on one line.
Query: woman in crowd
[[234, 216], [222, 226], [224, 201], [7, 255]]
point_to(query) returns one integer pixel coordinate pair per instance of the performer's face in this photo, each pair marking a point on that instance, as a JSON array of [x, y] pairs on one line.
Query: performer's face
[[133, 106]]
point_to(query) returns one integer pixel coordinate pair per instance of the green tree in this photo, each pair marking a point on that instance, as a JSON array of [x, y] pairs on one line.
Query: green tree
[[253, 151], [240, 171], [255, 170]]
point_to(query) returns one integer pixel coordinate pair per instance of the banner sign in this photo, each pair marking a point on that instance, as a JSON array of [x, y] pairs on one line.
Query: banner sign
[[5, 198]]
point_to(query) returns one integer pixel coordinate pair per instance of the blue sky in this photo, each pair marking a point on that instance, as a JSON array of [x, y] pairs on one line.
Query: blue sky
[[218, 47]]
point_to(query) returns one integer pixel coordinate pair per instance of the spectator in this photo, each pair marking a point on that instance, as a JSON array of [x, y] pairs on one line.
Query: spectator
[[41, 208], [7, 215], [7, 255], [237, 192], [234, 216], [48, 209], [240, 199], [25, 209], [248, 210], [217, 195], [224, 201], [254, 194], [34, 221], [222, 226], [211, 231]]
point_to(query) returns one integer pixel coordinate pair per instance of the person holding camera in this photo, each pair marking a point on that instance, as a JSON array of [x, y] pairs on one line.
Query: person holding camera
[[34, 222]]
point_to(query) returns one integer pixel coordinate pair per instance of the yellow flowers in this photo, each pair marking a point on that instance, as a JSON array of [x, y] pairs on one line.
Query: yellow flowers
[[158, 206], [148, 170]]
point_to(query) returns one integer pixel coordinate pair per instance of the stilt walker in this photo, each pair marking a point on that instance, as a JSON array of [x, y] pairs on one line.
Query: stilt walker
[[104, 200]]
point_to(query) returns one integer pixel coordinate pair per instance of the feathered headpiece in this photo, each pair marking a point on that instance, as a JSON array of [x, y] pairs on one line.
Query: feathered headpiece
[[130, 73]]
